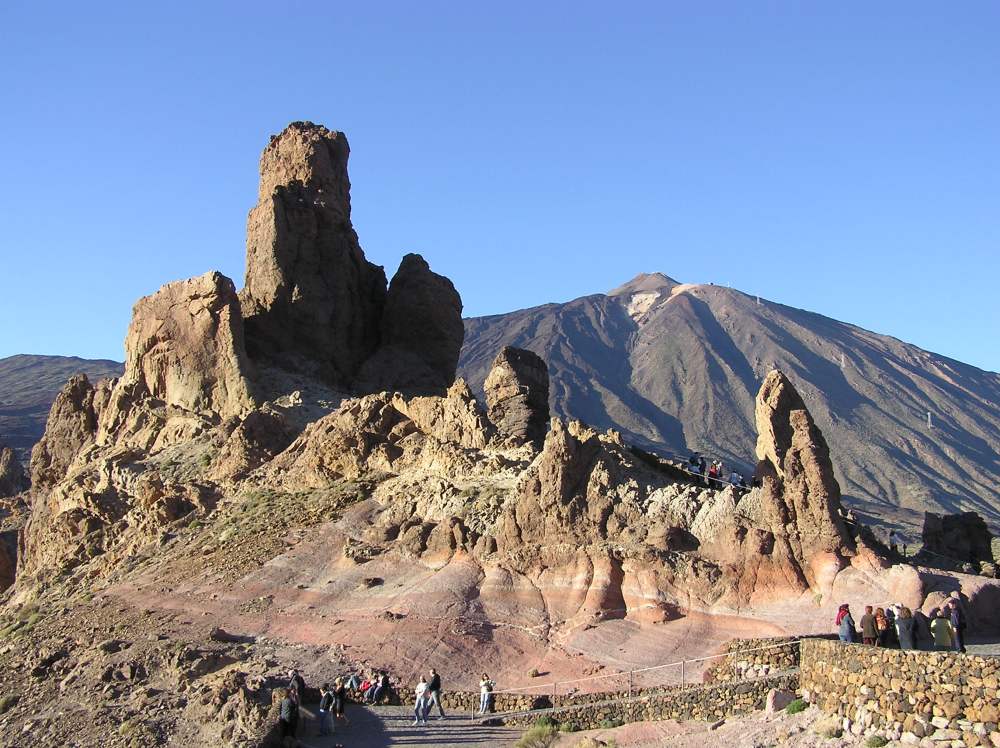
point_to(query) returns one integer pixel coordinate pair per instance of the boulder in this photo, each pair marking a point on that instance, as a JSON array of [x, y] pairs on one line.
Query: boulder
[[185, 348], [13, 479], [421, 333], [517, 395], [311, 300]]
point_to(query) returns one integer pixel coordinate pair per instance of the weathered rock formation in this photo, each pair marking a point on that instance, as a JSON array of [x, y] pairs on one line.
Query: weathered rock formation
[[12, 477], [517, 395], [71, 426], [311, 300], [421, 332], [185, 349], [800, 494], [957, 539]]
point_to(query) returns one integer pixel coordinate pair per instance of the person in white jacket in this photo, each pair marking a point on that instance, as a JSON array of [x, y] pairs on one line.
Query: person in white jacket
[[420, 703]]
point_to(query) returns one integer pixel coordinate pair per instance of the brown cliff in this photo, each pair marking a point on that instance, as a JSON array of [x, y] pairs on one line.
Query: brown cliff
[[517, 395]]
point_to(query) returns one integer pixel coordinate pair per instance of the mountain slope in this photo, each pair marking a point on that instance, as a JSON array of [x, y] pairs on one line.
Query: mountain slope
[[28, 385], [676, 366]]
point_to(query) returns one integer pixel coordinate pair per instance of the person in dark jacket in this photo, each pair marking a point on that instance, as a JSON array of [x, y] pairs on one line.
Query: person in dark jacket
[[325, 710], [904, 628], [339, 699], [288, 715], [433, 695], [922, 638], [958, 624], [869, 633], [296, 683]]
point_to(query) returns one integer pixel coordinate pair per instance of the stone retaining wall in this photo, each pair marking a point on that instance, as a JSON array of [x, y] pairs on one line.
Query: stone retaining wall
[[923, 697], [751, 658], [710, 702]]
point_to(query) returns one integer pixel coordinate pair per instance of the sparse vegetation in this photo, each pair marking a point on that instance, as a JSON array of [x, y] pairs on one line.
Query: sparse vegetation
[[8, 702], [875, 741], [569, 727], [799, 705], [533, 673], [608, 724], [539, 736]]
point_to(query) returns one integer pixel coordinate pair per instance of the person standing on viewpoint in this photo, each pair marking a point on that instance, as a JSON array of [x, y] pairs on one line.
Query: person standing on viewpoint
[[434, 695], [869, 633]]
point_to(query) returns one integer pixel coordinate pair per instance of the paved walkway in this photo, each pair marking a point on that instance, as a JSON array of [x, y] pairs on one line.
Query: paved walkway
[[384, 726]]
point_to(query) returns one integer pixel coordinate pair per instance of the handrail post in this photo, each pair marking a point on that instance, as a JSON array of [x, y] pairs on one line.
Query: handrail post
[[682, 671]]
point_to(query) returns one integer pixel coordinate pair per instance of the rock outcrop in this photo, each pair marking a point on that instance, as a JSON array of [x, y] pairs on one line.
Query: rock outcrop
[[185, 348], [517, 395], [71, 426], [311, 300], [12, 476], [957, 538], [800, 494], [421, 332]]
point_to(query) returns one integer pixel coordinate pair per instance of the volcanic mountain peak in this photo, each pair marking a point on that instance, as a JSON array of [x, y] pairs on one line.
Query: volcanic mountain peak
[[645, 283]]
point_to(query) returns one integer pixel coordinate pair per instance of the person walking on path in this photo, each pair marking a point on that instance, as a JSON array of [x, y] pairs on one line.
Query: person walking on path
[[904, 628], [941, 630], [869, 633], [419, 704], [486, 686], [288, 715], [326, 698], [434, 695], [957, 618], [845, 624]]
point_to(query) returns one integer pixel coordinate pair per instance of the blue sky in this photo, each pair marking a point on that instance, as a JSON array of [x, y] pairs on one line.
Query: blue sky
[[841, 157]]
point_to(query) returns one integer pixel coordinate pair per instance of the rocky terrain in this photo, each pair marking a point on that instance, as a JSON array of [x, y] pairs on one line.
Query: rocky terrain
[[675, 367], [291, 475]]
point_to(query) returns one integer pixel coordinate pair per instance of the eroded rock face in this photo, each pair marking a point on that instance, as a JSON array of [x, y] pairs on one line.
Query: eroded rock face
[[185, 348], [961, 538], [71, 426], [12, 477], [311, 300], [421, 332], [517, 395], [800, 494]]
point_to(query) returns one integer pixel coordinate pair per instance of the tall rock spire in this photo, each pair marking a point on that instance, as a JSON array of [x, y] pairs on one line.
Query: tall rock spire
[[311, 300]]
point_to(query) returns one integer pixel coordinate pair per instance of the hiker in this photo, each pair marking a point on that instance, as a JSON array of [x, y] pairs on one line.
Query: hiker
[[297, 683], [881, 628], [941, 629], [485, 694], [288, 715], [713, 470], [890, 634], [845, 624], [892, 543], [434, 695], [339, 700], [957, 618], [869, 634], [326, 698], [419, 710], [693, 463], [904, 628], [701, 466], [735, 479]]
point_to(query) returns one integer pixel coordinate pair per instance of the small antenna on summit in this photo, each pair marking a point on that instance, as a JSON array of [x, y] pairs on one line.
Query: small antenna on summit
[[929, 424], [758, 301]]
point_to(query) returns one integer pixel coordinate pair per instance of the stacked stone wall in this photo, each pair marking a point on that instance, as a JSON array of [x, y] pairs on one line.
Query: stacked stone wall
[[923, 697], [752, 658]]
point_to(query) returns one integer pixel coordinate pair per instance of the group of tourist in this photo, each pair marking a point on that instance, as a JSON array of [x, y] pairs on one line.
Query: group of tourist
[[899, 627], [714, 473]]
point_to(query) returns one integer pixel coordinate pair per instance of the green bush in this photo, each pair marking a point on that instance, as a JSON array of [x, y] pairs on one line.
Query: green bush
[[607, 724], [875, 741], [539, 736], [569, 727], [545, 721], [799, 705]]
